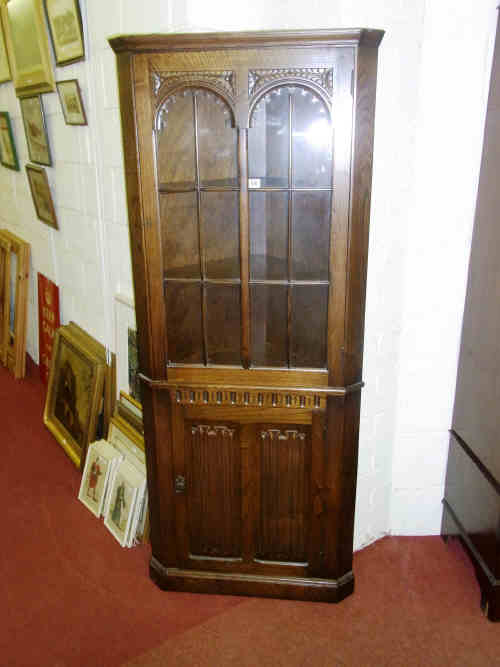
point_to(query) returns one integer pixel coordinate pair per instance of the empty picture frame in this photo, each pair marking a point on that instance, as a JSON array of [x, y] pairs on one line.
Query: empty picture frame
[[14, 285], [28, 46], [74, 395], [65, 23], [5, 74], [8, 153], [42, 199], [35, 130], [70, 97]]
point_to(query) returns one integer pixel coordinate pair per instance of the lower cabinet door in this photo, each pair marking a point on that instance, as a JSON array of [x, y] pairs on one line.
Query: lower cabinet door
[[244, 498]]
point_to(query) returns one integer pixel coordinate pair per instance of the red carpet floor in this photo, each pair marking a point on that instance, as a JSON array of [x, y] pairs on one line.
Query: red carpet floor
[[70, 596]]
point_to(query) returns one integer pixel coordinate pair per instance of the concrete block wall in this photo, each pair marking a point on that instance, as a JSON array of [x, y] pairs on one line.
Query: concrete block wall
[[433, 79]]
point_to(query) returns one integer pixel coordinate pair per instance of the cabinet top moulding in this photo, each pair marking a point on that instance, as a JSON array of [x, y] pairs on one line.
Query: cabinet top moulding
[[227, 40]]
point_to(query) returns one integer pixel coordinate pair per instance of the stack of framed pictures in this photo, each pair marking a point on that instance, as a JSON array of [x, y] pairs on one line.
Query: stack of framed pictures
[[114, 486], [14, 285], [80, 393]]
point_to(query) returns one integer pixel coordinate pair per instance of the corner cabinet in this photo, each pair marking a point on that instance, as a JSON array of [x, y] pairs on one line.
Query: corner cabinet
[[248, 161]]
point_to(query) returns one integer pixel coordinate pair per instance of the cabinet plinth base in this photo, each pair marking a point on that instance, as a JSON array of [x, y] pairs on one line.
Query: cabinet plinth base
[[286, 588]]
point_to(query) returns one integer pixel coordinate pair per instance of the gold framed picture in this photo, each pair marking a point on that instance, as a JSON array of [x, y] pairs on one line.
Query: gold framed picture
[[65, 23], [8, 154], [35, 130], [74, 395], [5, 74], [14, 285], [28, 46], [110, 377], [71, 102], [42, 199]]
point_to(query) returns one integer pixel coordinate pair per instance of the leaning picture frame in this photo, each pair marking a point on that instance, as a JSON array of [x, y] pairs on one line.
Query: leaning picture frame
[[35, 130], [66, 30], [42, 198], [74, 395], [5, 74], [27, 46], [8, 153]]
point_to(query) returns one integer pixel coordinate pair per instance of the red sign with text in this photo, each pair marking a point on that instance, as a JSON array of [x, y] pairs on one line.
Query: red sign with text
[[48, 322]]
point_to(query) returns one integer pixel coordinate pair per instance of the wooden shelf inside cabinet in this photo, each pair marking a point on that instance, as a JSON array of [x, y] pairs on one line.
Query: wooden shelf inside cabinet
[[249, 223]]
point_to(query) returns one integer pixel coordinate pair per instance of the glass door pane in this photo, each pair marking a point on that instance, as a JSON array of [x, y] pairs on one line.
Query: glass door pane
[[196, 155], [290, 186], [176, 143]]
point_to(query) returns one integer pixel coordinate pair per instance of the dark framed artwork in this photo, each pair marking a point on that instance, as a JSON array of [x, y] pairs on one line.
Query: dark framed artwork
[[35, 130], [70, 97], [65, 23], [8, 154], [42, 198]]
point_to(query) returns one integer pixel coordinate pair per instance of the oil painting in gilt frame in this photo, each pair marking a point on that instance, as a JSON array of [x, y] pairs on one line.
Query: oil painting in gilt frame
[[74, 395], [8, 154], [28, 46], [42, 199], [35, 130], [65, 23], [5, 74]]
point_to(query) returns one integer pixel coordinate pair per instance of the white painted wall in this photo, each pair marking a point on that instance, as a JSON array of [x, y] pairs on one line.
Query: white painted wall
[[433, 79]]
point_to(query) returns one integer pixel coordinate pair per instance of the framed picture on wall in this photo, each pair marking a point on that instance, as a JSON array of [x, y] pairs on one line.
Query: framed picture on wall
[[5, 74], [28, 46], [42, 199], [65, 23], [35, 130], [8, 155], [71, 102]]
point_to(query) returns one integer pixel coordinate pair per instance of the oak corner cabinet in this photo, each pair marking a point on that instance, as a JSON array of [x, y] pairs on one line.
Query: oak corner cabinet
[[248, 160]]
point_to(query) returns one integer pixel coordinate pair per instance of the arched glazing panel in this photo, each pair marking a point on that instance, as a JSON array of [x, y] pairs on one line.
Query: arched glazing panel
[[196, 162], [290, 193]]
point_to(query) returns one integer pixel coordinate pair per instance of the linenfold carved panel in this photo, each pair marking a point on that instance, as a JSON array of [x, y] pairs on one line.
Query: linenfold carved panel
[[213, 469], [321, 76], [223, 81], [284, 495]]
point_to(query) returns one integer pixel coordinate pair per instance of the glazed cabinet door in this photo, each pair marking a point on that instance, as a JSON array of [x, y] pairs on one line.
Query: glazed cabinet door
[[245, 496]]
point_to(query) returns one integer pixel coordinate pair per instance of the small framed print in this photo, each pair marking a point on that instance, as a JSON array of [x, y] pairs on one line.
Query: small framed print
[[125, 488], [98, 467], [35, 130], [42, 199], [5, 74], [71, 102], [8, 155], [65, 23]]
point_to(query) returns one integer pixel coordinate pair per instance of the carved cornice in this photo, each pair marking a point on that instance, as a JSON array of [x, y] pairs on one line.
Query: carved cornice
[[321, 76], [222, 81], [249, 398]]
